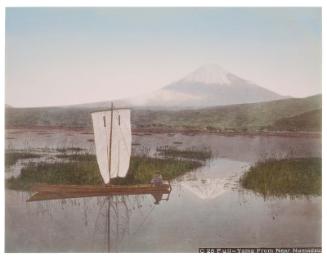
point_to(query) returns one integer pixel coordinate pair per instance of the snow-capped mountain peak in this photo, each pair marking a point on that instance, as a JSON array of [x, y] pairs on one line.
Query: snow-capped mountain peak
[[209, 85], [209, 74]]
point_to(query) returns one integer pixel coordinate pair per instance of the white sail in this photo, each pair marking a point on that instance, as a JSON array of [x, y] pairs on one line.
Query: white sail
[[113, 151]]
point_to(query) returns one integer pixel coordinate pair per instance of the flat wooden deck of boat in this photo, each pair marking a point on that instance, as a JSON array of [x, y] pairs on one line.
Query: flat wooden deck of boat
[[49, 192]]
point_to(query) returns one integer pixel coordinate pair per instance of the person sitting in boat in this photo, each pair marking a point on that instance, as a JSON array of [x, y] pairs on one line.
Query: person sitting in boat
[[157, 180]]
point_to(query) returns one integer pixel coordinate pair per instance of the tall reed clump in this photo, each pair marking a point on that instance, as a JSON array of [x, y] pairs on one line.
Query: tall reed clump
[[284, 177]]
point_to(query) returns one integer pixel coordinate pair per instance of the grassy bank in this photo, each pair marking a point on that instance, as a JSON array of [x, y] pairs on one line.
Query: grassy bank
[[83, 170], [286, 177], [11, 158]]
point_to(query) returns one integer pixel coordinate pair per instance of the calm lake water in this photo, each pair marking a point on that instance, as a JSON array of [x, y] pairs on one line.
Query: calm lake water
[[206, 208]]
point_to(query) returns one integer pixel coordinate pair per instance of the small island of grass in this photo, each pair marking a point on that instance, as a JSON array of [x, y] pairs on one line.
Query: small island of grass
[[285, 177], [191, 153], [82, 169], [12, 157]]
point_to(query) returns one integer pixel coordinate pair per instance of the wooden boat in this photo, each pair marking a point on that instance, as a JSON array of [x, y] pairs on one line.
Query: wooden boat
[[113, 139], [48, 192]]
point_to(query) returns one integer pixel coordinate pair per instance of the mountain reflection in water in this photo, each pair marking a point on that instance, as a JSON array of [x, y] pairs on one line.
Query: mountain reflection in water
[[214, 179]]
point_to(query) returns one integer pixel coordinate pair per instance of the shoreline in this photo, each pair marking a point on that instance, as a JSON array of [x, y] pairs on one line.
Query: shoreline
[[190, 132]]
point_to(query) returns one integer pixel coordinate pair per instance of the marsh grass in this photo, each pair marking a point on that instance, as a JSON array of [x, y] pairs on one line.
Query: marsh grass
[[69, 149], [143, 169], [11, 158], [83, 170], [78, 173], [191, 153], [77, 157], [285, 177]]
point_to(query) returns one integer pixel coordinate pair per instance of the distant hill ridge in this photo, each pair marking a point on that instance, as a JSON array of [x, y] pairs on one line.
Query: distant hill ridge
[[242, 117], [307, 121], [273, 115]]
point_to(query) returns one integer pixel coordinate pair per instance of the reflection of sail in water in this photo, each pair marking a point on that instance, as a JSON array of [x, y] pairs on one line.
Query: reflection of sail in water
[[113, 138], [103, 223], [112, 224]]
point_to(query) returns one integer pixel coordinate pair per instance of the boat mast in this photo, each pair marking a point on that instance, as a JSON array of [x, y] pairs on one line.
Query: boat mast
[[109, 205], [110, 139]]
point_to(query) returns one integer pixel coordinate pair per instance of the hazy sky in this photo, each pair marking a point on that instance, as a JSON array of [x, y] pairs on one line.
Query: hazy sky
[[58, 56]]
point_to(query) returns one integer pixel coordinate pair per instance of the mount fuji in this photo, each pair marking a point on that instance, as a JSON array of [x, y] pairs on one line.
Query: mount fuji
[[209, 85]]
